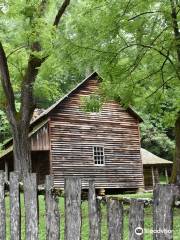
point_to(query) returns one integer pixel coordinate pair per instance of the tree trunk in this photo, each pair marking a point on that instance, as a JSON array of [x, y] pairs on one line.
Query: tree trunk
[[22, 149], [175, 177]]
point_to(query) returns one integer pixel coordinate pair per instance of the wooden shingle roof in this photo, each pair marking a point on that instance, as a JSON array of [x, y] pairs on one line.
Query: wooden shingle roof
[[92, 75], [149, 158]]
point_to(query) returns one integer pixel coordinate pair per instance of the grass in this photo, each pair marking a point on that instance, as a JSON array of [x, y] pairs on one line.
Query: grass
[[85, 223], [136, 195]]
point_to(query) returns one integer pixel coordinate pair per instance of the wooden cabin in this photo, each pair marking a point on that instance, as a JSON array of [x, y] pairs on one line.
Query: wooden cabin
[[153, 167], [67, 140]]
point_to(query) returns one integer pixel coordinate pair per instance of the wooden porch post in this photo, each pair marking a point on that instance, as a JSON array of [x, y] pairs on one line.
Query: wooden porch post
[[153, 177], [156, 175], [166, 174], [6, 168]]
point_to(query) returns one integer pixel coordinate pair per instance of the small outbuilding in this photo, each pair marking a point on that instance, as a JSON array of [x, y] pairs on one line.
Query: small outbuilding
[[152, 167]]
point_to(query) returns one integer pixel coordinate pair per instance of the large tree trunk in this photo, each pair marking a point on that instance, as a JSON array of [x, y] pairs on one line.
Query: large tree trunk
[[22, 149], [175, 177], [177, 153]]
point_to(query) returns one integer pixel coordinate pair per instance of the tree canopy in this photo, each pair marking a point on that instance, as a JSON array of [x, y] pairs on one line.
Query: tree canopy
[[134, 46]]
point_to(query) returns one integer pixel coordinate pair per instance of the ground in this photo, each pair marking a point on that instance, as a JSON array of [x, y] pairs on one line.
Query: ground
[[148, 219]]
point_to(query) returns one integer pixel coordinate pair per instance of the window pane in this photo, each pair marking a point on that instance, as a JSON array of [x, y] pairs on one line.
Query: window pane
[[98, 153]]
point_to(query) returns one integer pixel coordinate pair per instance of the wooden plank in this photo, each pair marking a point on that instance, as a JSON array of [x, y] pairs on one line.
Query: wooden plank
[[153, 177], [6, 168], [94, 214], [163, 212], [156, 174], [40, 139], [2, 207], [166, 174], [52, 211], [72, 208], [31, 206], [15, 212], [115, 219], [136, 220]]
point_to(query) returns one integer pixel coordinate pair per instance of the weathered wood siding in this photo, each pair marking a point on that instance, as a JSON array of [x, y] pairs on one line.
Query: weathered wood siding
[[40, 139], [73, 133]]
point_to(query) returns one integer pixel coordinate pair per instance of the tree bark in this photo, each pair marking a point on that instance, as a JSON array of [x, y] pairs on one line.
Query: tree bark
[[174, 13], [22, 149], [177, 151], [177, 154], [175, 177]]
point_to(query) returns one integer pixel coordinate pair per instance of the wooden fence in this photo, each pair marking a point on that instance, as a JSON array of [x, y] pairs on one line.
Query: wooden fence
[[162, 211]]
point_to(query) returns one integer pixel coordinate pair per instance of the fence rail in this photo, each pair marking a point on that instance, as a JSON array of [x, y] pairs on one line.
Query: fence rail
[[163, 201]]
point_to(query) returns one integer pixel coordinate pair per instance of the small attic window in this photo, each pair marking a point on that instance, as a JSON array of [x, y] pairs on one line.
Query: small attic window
[[98, 155], [91, 103]]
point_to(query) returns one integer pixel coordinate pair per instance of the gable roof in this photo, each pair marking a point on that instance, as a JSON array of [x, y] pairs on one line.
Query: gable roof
[[48, 110], [149, 158], [91, 76], [45, 113]]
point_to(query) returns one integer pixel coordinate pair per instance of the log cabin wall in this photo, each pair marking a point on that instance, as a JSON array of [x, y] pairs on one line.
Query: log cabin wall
[[74, 133]]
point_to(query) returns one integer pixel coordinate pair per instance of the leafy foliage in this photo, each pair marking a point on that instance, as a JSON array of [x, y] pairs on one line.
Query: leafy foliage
[[4, 128], [155, 139], [92, 103]]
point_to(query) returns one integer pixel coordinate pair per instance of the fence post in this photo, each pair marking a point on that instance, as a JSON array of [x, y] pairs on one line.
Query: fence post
[[136, 220], [94, 214], [115, 219], [15, 213], [2, 207], [163, 212], [72, 208], [52, 211], [31, 206]]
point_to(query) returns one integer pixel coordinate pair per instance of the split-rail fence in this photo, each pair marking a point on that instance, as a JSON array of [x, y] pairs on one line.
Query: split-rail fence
[[163, 203]]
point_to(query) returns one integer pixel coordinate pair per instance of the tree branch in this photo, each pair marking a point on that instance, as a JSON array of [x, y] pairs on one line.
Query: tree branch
[[162, 72], [162, 85], [27, 100], [6, 83], [141, 14], [15, 50], [126, 8], [18, 69], [34, 63], [141, 54], [92, 49], [154, 49], [149, 75], [60, 13]]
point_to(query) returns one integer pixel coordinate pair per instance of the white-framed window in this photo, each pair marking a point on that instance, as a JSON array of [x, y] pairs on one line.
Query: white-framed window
[[98, 155]]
